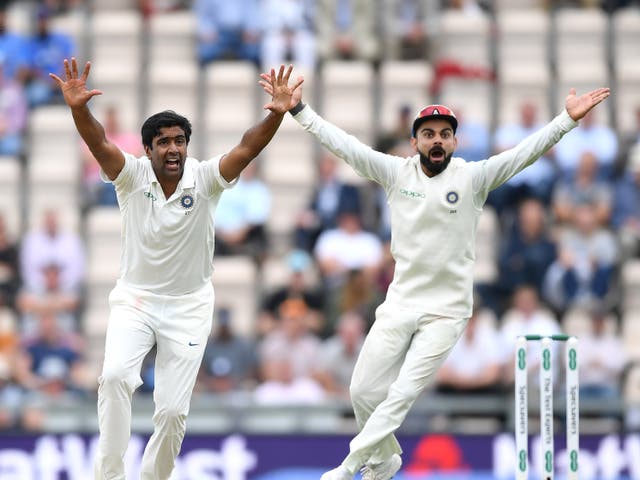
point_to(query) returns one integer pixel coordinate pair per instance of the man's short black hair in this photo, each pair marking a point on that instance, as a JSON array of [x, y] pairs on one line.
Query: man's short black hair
[[168, 118]]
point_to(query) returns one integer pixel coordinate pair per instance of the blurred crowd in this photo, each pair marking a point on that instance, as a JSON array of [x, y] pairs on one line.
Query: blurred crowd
[[565, 227]]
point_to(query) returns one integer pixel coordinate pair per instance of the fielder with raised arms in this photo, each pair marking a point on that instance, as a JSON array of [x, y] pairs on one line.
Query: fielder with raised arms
[[435, 200], [164, 295]]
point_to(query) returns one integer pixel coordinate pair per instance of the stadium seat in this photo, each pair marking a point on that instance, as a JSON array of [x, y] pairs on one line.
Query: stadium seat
[[630, 284], [230, 104], [523, 37], [626, 61], [10, 194], [174, 88], [464, 38], [402, 83], [523, 63], [347, 96], [581, 36], [235, 283], [474, 95], [631, 332], [74, 23], [172, 37], [117, 35], [286, 203]]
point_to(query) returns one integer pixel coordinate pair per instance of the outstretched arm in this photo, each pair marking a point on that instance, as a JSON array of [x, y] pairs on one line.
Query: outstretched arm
[[258, 136], [76, 95], [501, 167]]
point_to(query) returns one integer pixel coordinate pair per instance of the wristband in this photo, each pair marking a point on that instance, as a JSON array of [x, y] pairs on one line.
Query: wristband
[[297, 109]]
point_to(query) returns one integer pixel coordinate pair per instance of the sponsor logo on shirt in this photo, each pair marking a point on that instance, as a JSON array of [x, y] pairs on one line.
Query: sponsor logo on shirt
[[452, 197], [410, 194], [150, 195]]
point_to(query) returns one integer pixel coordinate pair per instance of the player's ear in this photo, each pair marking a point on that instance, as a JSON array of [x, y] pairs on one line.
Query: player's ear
[[414, 143], [147, 151]]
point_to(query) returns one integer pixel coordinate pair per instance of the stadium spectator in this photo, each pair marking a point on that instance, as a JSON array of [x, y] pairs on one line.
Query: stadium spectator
[[585, 267], [288, 32], [406, 31], [291, 339], [590, 135], [10, 392], [51, 362], [230, 362], [281, 387], [526, 316], [330, 196], [585, 187], [346, 30], [526, 251], [96, 191], [602, 357], [13, 49], [626, 206], [338, 355], [473, 136], [46, 49], [52, 244], [227, 30], [299, 286], [241, 217], [52, 299], [287, 359], [345, 248], [475, 362], [9, 267], [538, 179], [359, 294], [398, 134], [13, 114], [60, 6], [628, 141]]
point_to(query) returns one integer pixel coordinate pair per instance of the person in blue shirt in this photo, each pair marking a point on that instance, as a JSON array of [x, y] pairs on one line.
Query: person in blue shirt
[[46, 51], [227, 30], [12, 50]]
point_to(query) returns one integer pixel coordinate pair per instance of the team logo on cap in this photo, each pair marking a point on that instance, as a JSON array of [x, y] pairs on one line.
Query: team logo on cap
[[186, 201], [452, 197]]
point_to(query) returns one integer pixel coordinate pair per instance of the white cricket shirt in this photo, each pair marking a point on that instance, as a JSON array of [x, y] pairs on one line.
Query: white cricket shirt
[[167, 244], [434, 220]]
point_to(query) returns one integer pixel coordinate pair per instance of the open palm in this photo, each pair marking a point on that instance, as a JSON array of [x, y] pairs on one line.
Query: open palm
[[74, 86], [578, 107], [283, 96]]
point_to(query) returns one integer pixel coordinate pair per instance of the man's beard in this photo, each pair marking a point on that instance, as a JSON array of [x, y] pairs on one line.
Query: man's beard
[[435, 168]]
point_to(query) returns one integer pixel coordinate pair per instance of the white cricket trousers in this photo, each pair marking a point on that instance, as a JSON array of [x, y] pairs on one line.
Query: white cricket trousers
[[399, 358], [179, 326]]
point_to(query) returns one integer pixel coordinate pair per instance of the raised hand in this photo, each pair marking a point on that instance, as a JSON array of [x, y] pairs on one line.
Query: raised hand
[[283, 96], [578, 107], [74, 86]]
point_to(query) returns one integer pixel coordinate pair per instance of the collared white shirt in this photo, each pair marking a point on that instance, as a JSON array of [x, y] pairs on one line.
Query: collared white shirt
[[434, 220], [167, 244]]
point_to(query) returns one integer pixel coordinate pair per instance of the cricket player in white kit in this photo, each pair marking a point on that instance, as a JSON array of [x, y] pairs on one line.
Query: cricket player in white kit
[[435, 201], [164, 296]]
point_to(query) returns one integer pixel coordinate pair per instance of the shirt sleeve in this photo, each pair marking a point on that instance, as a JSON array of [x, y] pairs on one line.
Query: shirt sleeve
[[126, 179], [214, 182], [368, 163], [491, 173]]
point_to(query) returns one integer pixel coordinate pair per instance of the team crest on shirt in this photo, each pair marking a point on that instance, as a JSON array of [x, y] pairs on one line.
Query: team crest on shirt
[[187, 201], [452, 197]]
